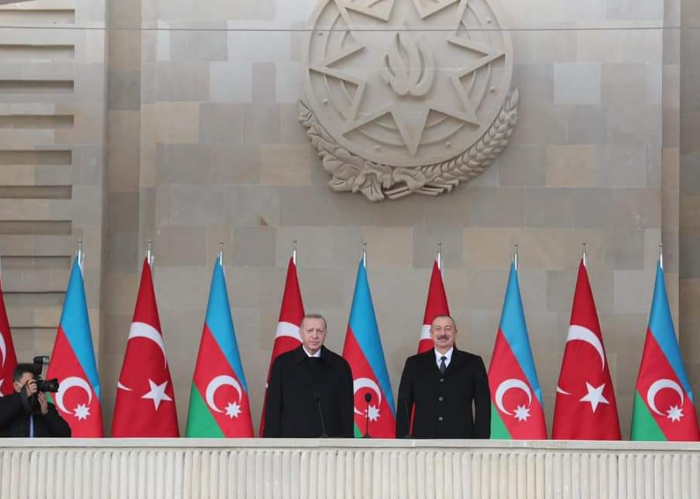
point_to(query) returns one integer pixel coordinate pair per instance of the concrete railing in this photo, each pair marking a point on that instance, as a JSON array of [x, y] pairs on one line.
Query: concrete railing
[[281, 468]]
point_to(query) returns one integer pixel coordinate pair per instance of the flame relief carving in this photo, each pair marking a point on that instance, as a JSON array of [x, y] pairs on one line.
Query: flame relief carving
[[407, 96]]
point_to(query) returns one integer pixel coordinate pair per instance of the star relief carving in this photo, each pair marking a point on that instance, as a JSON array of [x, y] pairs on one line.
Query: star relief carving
[[398, 73]]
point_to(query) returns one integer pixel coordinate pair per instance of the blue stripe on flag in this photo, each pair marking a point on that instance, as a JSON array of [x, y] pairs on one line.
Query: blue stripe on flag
[[661, 326], [220, 322], [363, 323], [76, 326], [515, 331]]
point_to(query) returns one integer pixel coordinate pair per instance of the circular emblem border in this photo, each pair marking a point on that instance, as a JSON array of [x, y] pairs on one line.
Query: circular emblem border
[[377, 182]]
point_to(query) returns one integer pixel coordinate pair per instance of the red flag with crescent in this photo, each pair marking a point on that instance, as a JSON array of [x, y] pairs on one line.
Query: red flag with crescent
[[145, 404], [435, 305], [585, 407], [287, 336], [8, 358]]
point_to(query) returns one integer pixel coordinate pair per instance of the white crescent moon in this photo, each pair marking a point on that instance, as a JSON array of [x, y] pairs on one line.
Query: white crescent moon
[[3, 349], [659, 385], [216, 383], [67, 384], [507, 385], [580, 333], [143, 330], [360, 383], [123, 387]]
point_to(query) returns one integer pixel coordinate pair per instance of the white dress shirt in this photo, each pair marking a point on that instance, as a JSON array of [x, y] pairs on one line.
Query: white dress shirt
[[439, 356], [318, 352]]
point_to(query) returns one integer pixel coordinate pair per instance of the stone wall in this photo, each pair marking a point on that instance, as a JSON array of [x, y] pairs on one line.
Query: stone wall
[[204, 145]]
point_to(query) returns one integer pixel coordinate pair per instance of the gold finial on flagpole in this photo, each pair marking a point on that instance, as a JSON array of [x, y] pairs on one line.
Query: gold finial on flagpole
[[364, 255], [585, 255], [149, 252], [294, 251], [515, 256], [661, 255]]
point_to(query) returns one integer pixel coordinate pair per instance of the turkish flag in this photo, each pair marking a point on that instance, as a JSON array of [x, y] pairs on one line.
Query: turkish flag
[[585, 407], [287, 336], [145, 405], [435, 305], [8, 359]]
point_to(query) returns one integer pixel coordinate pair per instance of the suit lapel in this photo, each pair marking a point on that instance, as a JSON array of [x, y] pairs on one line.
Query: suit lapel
[[458, 359], [430, 363]]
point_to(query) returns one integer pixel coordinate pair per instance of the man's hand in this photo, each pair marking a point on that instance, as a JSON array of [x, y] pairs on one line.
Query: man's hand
[[30, 387], [43, 403]]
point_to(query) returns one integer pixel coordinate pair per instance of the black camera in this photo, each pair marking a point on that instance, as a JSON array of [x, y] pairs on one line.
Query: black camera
[[43, 385]]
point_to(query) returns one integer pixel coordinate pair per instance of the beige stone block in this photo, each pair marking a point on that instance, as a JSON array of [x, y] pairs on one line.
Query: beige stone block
[[286, 164], [486, 248], [389, 246], [264, 81], [599, 46], [425, 240], [231, 81], [181, 246], [176, 122], [216, 234], [547, 124], [640, 208], [633, 291], [168, 282], [320, 247], [253, 246], [234, 164], [254, 205], [120, 291], [317, 205], [571, 166], [123, 146], [559, 249], [624, 84], [642, 45], [495, 206], [689, 211], [556, 46]]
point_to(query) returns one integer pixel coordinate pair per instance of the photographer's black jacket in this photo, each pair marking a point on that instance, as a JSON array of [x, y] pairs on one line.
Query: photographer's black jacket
[[14, 419]]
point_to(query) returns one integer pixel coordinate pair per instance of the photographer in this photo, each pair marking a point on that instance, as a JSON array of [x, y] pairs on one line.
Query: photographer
[[27, 413]]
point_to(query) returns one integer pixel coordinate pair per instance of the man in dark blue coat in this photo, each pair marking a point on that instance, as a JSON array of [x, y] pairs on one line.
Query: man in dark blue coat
[[440, 387]]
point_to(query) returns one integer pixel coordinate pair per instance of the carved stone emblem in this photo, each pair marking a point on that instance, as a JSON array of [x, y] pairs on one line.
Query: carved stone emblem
[[407, 96]]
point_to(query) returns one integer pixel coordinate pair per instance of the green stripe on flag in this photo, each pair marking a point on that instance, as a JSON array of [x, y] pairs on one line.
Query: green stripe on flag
[[358, 433], [498, 428], [200, 422], [644, 426]]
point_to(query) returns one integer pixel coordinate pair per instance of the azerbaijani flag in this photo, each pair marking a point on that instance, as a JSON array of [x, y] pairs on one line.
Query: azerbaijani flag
[[363, 351], [516, 398], [663, 401], [219, 403], [73, 363]]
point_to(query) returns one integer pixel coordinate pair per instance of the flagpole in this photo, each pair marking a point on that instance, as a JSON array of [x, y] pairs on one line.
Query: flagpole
[[438, 257], [294, 251], [515, 257], [364, 255], [661, 255], [585, 256], [80, 256], [149, 253]]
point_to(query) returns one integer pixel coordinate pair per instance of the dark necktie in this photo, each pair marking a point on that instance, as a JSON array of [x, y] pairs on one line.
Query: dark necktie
[[443, 366]]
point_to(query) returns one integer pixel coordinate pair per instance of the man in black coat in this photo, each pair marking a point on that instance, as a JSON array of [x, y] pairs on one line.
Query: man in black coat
[[306, 382], [441, 385], [27, 413]]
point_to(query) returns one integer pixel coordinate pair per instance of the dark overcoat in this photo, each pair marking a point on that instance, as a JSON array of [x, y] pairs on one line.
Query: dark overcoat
[[295, 382], [443, 403]]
